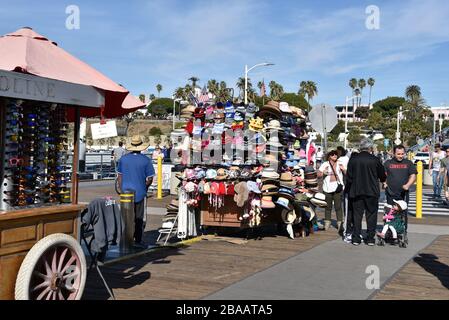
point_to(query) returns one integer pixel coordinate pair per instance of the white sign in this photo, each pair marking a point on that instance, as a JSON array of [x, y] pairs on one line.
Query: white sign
[[101, 131], [397, 141], [29, 87]]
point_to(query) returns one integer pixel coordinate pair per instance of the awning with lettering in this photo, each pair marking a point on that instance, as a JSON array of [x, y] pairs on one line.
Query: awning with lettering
[[28, 52]]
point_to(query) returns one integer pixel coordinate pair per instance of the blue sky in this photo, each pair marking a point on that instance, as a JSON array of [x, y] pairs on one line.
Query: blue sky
[[142, 43]]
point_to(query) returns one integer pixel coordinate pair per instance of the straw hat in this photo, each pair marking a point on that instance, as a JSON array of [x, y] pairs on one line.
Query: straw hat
[[287, 179], [271, 108], [137, 144], [267, 202], [288, 215]]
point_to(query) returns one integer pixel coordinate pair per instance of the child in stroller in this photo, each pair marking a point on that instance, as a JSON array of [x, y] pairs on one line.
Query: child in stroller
[[394, 230]]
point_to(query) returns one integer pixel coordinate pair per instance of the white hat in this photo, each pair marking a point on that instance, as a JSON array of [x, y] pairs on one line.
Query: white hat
[[284, 107], [402, 204], [288, 216], [319, 200]]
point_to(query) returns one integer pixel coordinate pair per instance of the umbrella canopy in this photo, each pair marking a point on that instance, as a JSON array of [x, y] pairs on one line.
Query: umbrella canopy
[[27, 51]]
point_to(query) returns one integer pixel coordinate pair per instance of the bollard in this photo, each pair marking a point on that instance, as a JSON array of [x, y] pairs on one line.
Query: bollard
[[419, 180], [159, 178], [128, 215]]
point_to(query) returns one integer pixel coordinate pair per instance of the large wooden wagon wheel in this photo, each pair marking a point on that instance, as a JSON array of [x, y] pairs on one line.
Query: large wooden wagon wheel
[[54, 269]]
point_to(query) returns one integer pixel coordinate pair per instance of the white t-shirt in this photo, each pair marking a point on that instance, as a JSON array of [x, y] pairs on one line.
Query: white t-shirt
[[436, 160], [330, 184], [319, 155]]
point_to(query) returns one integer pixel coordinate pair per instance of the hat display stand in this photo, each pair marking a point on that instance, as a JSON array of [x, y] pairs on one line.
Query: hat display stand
[[247, 189]]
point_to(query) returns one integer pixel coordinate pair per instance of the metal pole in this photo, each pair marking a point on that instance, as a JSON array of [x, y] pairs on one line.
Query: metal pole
[[75, 158], [246, 84], [174, 112], [159, 177], [128, 215], [419, 182], [346, 123]]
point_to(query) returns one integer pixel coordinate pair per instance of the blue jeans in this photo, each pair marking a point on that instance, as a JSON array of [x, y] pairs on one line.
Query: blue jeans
[[437, 183]]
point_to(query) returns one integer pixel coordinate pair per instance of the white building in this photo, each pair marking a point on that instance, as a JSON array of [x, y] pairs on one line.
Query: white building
[[341, 111], [441, 112]]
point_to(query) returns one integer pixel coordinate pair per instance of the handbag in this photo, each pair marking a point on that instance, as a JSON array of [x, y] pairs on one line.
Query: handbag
[[339, 185]]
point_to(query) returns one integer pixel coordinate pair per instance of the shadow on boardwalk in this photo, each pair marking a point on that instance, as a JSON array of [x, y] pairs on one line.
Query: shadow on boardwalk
[[430, 263]]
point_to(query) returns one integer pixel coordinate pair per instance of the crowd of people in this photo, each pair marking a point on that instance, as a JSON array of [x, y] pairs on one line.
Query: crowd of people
[[352, 185]]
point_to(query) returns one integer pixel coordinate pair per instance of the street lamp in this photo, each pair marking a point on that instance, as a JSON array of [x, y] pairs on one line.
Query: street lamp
[[398, 133], [264, 64], [346, 118]]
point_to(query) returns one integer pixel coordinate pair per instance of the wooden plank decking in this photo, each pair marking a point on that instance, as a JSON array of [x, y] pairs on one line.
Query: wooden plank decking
[[195, 271], [425, 277]]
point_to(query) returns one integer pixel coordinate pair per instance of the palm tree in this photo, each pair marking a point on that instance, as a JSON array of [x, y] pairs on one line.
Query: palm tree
[[179, 93], [159, 89], [353, 85], [251, 94], [276, 90], [152, 97], [413, 93], [362, 84], [308, 88], [371, 82], [260, 85], [194, 81], [142, 97], [241, 85], [213, 87]]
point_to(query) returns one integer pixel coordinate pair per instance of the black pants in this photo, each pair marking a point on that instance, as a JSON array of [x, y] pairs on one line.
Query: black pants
[[349, 214], [139, 211], [369, 206]]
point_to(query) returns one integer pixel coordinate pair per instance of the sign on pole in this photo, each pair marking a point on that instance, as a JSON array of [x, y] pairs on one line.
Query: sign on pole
[[323, 118], [101, 131]]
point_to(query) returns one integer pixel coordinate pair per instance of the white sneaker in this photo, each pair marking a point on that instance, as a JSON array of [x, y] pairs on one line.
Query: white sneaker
[[348, 238]]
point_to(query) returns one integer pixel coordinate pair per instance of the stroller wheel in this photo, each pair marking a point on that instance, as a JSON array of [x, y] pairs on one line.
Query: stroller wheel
[[380, 242]]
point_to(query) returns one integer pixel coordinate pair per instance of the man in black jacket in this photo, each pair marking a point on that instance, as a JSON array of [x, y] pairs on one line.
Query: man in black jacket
[[365, 171]]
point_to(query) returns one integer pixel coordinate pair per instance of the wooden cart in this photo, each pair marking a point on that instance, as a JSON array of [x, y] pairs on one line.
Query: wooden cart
[[55, 261]]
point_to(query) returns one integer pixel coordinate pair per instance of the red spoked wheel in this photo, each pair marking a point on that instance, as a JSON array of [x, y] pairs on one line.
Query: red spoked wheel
[[54, 269]]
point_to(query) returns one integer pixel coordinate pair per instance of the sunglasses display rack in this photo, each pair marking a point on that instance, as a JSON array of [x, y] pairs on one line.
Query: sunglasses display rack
[[34, 157]]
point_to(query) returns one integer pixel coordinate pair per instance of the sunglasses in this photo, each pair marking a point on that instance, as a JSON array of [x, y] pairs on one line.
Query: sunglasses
[[15, 161]]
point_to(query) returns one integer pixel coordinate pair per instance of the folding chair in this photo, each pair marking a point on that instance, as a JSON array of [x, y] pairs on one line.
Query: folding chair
[[168, 231], [86, 233]]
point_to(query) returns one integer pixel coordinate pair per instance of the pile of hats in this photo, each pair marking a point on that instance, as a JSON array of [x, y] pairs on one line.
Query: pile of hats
[[311, 178]]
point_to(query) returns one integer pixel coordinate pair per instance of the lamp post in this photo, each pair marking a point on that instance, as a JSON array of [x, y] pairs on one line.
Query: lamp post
[[398, 133], [346, 118], [265, 64]]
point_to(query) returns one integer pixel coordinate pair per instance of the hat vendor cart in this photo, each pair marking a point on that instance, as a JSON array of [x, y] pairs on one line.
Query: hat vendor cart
[[39, 212], [42, 89]]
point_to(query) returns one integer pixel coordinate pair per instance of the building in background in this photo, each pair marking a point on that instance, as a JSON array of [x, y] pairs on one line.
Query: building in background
[[441, 112], [341, 112]]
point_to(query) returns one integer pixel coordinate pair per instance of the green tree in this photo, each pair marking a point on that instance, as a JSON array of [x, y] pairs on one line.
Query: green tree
[[353, 86], [161, 106], [194, 81], [276, 90], [375, 120], [241, 86], [179, 93], [354, 135], [155, 131], [413, 92], [213, 87], [142, 97], [389, 106], [159, 89], [362, 85], [152, 97], [296, 100], [339, 128], [309, 89], [362, 113], [371, 82]]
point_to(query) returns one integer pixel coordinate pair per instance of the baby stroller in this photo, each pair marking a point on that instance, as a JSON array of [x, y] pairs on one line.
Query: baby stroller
[[402, 239]]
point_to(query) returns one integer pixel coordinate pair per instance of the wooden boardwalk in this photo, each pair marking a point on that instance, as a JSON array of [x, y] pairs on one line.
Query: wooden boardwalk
[[195, 271], [425, 277]]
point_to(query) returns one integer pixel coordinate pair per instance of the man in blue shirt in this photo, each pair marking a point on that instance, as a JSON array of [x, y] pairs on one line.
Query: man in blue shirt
[[136, 173]]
